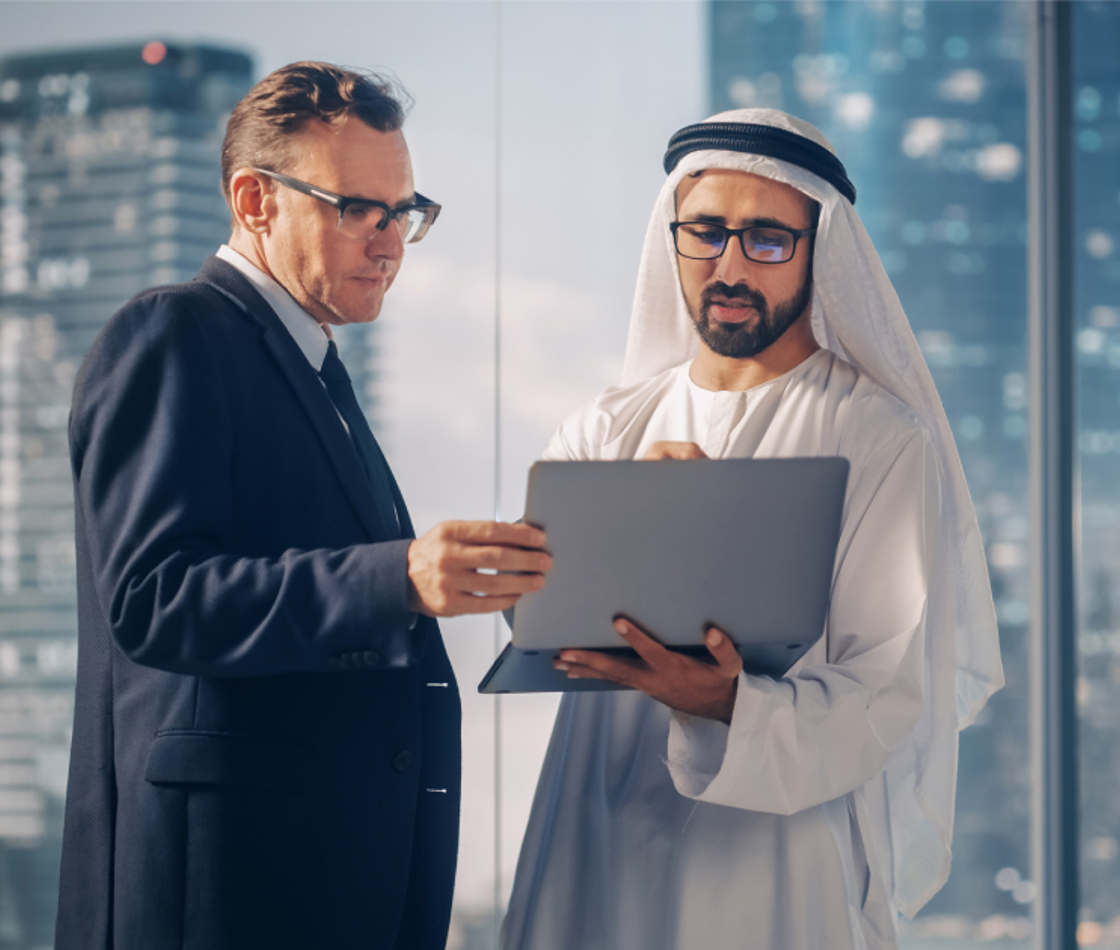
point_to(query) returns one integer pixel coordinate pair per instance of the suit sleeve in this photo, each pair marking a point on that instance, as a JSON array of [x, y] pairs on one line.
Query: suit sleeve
[[152, 446], [830, 727]]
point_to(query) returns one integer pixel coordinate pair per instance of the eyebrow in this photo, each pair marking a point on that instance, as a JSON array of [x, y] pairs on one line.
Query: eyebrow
[[749, 223]]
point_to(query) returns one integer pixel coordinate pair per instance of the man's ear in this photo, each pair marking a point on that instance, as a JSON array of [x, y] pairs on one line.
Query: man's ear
[[252, 201]]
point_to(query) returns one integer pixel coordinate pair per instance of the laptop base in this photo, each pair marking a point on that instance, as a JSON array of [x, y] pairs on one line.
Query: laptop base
[[531, 671]]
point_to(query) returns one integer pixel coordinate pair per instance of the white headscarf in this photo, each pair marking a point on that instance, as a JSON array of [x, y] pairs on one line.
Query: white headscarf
[[856, 314]]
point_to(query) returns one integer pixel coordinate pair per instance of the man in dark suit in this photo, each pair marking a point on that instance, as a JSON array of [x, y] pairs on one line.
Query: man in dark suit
[[266, 738]]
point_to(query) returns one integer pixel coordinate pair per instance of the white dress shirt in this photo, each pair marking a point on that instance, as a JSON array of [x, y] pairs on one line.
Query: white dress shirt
[[312, 337]]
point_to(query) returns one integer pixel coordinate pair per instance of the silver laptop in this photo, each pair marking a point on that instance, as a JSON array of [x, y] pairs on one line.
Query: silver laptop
[[746, 544]]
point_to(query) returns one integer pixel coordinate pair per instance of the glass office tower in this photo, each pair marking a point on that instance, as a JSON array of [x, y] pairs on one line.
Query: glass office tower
[[925, 104], [109, 171]]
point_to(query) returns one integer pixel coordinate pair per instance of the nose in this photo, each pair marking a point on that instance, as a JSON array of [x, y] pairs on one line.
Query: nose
[[387, 243], [733, 265]]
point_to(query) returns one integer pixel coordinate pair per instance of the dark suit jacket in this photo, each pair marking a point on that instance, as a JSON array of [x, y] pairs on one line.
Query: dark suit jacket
[[264, 754]]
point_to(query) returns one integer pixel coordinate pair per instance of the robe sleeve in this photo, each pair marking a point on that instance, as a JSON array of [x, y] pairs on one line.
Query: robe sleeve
[[569, 443], [829, 728]]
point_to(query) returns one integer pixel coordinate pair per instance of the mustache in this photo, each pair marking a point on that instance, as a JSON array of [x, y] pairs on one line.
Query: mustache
[[732, 292]]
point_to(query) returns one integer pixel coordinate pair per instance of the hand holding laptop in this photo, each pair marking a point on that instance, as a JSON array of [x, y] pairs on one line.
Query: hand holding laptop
[[473, 567], [693, 686], [698, 687]]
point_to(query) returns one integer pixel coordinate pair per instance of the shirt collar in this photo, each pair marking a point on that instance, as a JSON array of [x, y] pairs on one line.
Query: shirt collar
[[308, 333]]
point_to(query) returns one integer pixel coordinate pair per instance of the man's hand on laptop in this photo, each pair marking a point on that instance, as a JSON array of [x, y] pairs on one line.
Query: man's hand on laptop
[[474, 567], [673, 450], [696, 687]]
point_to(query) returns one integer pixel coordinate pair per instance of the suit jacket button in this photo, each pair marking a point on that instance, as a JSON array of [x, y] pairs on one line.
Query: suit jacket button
[[334, 663], [403, 761], [371, 657]]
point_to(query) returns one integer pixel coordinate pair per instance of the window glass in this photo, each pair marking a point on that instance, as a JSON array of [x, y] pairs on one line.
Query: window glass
[[540, 128], [95, 206], [925, 105], [586, 116], [1096, 147]]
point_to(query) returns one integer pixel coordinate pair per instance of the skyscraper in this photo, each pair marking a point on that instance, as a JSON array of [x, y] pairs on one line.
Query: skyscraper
[[109, 171], [926, 106]]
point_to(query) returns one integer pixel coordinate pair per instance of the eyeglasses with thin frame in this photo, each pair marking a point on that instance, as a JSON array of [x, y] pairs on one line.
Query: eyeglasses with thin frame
[[701, 241], [362, 219]]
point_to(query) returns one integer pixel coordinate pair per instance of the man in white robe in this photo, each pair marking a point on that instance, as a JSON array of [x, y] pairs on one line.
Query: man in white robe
[[711, 808]]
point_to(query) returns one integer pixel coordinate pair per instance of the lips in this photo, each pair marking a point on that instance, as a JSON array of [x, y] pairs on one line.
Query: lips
[[731, 304], [731, 311]]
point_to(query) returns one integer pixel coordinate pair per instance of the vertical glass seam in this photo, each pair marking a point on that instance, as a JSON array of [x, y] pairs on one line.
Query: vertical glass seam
[[1053, 626], [497, 448]]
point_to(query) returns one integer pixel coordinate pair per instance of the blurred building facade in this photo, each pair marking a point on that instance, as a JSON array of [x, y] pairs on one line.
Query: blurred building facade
[[925, 104], [109, 171]]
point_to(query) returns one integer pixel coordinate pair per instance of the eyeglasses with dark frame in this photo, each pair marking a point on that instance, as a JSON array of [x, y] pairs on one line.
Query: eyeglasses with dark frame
[[362, 219], [701, 241]]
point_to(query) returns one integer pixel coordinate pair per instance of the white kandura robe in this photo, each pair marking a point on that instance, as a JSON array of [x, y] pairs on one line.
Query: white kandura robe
[[653, 830]]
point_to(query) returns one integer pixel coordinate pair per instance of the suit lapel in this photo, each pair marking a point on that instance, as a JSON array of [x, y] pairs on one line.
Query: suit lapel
[[307, 386]]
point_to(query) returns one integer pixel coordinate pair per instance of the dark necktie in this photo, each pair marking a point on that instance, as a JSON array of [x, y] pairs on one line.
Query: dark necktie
[[341, 391]]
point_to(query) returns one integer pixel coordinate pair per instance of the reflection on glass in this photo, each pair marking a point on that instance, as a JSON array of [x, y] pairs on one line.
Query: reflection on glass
[[925, 103], [1096, 106]]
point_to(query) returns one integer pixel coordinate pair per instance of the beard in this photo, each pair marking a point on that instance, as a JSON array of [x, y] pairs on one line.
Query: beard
[[740, 341]]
